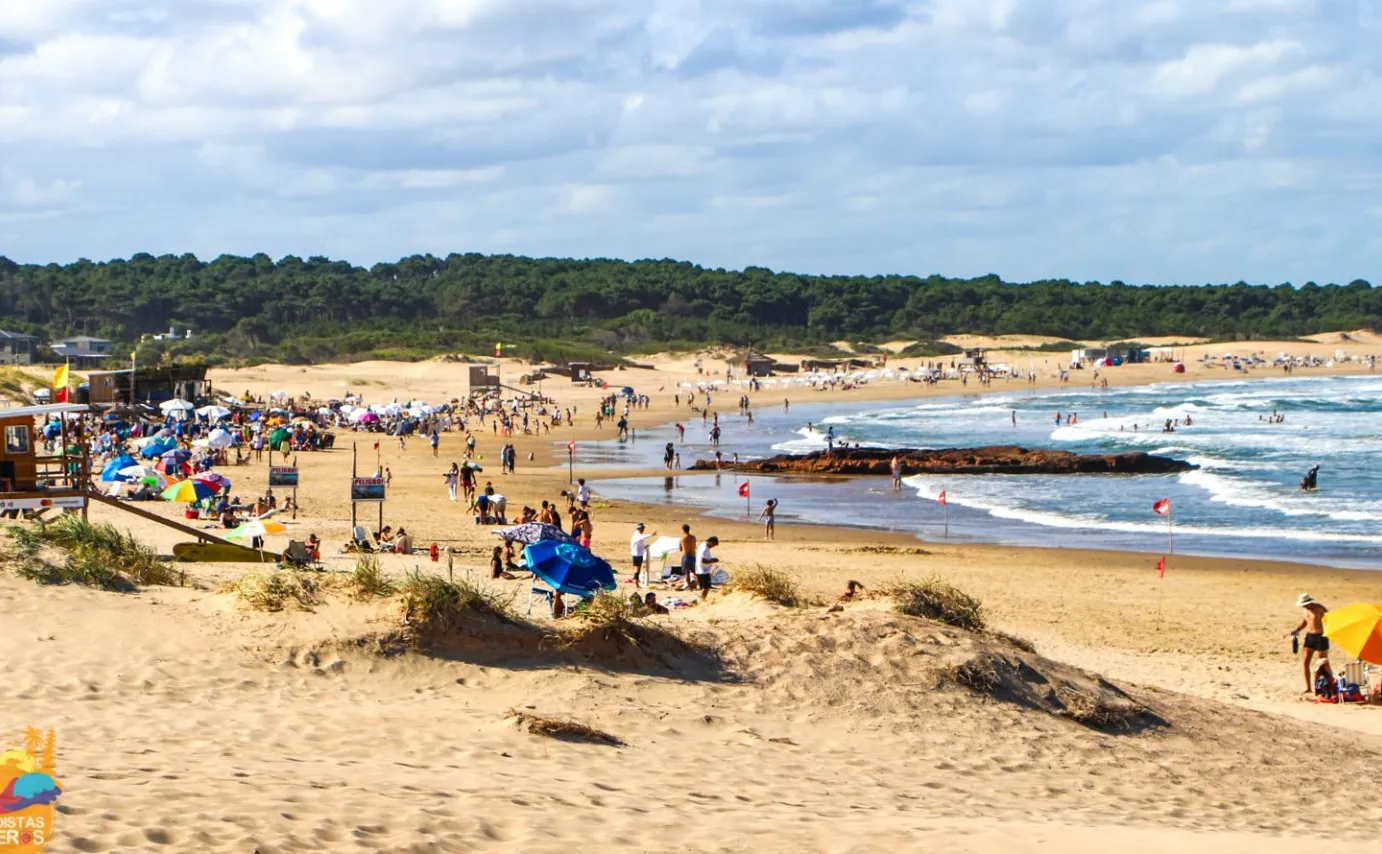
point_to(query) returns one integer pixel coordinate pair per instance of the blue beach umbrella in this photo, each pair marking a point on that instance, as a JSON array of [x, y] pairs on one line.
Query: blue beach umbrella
[[569, 568]]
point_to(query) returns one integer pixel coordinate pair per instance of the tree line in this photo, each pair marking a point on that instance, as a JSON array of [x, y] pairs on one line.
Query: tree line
[[317, 309]]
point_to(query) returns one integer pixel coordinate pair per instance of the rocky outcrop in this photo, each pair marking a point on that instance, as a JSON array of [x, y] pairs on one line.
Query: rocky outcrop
[[995, 459]]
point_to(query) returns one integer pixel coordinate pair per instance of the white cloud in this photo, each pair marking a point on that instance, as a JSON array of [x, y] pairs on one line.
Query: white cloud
[[1081, 138]]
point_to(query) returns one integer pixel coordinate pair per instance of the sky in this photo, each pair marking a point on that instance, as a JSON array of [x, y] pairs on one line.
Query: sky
[[1152, 141]]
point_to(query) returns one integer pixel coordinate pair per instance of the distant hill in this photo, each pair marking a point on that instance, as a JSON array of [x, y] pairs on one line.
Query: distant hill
[[317, 309]]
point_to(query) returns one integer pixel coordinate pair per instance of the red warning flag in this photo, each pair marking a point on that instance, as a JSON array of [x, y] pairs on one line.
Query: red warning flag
[[940, 499], [1162, 507], [1161, 567], [744, 489]]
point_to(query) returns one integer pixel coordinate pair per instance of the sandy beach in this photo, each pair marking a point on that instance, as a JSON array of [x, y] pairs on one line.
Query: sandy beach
[[188, 722]]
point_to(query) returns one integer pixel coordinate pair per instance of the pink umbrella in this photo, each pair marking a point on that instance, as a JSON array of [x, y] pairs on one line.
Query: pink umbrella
[[215, 480]]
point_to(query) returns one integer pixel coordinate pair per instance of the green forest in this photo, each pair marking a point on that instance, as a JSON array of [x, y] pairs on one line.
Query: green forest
[[296, 310]]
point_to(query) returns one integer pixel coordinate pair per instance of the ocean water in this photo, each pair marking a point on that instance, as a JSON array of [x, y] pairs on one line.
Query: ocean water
[[1244, 500]]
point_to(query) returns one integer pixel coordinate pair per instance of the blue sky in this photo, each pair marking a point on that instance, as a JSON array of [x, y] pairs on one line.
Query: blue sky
[[1165, 141]]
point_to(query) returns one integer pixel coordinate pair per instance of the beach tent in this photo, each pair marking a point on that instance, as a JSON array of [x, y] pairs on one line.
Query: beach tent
[[568, 568], [113, 470]]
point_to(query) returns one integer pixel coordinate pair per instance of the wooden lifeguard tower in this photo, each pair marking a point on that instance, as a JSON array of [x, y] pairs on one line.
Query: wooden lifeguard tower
[[30, 481]]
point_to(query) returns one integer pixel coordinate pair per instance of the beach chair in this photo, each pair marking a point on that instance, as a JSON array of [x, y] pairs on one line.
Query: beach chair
[[360, 539], [298, 556]]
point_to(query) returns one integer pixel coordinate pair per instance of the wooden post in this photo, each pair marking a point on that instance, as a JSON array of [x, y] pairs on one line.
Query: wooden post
[[354, 453], [295, 490], [85, 476]]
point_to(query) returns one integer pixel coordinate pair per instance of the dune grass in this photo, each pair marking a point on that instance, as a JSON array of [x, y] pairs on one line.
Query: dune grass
[[771, 584], [368, 581], [936, 599], [277, 590], [433, 604], [563, 730], [93, 555]]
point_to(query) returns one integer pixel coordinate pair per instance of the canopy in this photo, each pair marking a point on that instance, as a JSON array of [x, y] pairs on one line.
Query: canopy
[[569, 568], [663, 546], [188, 491], [535, 532], [1358, 629], [256, 528], [177, 406], [112, 471]]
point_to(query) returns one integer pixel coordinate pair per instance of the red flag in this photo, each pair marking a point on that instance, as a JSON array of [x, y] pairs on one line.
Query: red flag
[[1162, 507], [376, 446], [744, 489], [60, 395], [571, 446], [940, 499], [1161, 567]]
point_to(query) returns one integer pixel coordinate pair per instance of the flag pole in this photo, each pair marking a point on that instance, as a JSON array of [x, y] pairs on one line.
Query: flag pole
[[748, 501]]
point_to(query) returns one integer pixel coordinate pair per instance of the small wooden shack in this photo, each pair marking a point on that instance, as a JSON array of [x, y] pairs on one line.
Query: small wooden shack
[[29, 480]]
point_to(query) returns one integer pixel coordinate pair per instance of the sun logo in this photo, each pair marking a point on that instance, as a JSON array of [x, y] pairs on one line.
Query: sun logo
[[28, 790]]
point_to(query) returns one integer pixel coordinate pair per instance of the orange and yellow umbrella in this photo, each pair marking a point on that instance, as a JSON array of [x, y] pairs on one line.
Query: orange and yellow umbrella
[[1358, 629]]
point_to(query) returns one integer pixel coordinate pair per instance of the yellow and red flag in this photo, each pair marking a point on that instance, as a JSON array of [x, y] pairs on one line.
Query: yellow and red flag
[[60, 380]]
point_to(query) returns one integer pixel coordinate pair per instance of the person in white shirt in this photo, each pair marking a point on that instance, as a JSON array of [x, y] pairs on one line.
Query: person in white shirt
[[638, 550], [583, 494], [705, 564]]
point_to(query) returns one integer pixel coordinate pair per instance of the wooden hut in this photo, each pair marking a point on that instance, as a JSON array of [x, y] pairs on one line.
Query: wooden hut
[[29, 481]]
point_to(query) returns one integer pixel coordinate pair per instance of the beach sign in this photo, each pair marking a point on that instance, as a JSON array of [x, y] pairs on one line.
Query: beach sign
[[283, 476], [369, 489]]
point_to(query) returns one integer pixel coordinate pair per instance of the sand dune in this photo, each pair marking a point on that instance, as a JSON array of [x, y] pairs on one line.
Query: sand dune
[[187, 727]]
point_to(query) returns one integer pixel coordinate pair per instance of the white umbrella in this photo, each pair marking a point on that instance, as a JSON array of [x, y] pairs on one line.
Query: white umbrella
[[144, 473], [177, 406], [214, 413], [219, 438]]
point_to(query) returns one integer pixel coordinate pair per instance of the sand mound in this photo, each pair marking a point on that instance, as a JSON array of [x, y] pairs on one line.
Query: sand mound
[[878, 662]]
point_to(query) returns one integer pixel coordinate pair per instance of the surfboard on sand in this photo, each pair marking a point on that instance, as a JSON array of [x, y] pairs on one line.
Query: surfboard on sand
[[221, 553]]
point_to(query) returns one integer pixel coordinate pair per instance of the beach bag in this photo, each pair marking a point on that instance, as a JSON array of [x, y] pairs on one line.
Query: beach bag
[[1325, 686]]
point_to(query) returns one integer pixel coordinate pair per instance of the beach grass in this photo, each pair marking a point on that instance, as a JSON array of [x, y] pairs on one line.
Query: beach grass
[[277, 590], [563, 729], [771, 584], [368, 581], [937, 599], [433, 604], [93, 555]]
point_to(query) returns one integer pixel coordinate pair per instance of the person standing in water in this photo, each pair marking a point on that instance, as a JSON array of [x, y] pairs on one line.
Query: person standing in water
[[768, 518], [895, 467]]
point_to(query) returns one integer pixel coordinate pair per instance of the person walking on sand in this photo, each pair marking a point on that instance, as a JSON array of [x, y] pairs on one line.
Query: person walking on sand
[[1312, 623], [638, 551], [453, 480], [896, 469], [706, 564], [767, 517], [435, 439]]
